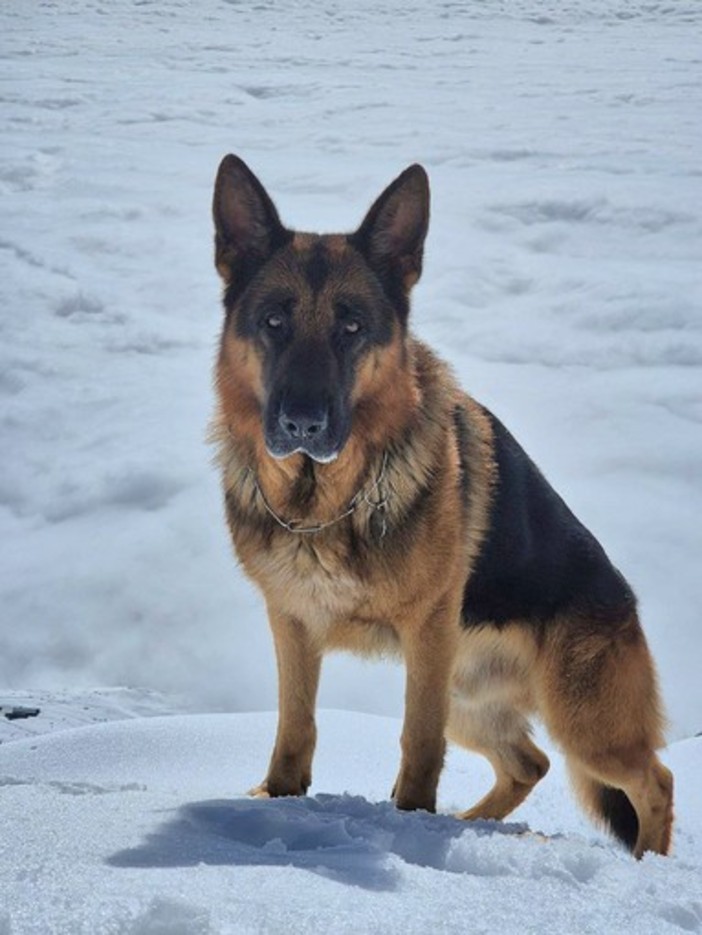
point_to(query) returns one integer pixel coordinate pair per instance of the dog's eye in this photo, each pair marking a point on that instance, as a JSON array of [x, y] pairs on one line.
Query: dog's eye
[[275, 314], [350, 318]]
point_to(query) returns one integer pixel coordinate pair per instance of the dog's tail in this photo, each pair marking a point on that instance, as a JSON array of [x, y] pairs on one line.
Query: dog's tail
[[611, 808], [614, 811]]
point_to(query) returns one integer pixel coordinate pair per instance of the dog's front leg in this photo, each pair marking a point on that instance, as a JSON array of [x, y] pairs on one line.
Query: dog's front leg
[[299, 663], [429, 649]]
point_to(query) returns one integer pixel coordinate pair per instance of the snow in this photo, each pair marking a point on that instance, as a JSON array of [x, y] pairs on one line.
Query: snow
[[68, 708], [141, 826], [562, 282]]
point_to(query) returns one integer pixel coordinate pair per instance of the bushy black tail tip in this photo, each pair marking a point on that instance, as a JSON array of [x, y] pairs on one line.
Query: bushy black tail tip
[[619, 815]]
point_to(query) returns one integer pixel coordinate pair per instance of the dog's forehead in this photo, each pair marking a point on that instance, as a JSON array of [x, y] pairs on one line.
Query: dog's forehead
[[320, 269], [331, 245], [325, 262]]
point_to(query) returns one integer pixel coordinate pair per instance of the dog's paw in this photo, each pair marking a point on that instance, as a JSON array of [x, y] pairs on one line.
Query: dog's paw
[[272, 788], [409, 795], [417, 802], [411, 800]]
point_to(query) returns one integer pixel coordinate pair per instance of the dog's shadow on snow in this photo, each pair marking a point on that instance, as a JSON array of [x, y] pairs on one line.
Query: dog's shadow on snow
[[343, 837]]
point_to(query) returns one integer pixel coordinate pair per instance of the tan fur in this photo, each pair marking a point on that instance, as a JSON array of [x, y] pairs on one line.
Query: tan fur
[[492, 700], [489, 682], [648, 785], [299, 663], [598, 697], [415, 438], [396, 608]]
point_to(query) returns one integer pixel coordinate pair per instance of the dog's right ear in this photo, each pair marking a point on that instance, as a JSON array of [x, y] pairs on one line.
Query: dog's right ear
[[247, 226]]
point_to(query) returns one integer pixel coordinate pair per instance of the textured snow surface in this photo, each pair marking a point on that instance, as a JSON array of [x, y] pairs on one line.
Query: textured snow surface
[[562, 280], [140, 827]]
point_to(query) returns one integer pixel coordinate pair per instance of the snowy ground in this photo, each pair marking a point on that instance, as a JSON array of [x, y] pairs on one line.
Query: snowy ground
[[562, 280], [139, 827], [53, 711]]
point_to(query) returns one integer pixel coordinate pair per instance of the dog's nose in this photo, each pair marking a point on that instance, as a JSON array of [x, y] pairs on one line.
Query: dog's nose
[[303, 425]]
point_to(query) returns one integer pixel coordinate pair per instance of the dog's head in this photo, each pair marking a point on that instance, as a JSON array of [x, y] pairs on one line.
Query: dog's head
[[315, 324]]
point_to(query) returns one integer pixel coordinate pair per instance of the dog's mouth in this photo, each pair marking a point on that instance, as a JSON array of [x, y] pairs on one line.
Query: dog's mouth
[[321, 456], [320, 433]]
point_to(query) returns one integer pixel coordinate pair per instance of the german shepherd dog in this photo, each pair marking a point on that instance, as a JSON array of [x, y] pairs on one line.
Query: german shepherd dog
[[383, 511]]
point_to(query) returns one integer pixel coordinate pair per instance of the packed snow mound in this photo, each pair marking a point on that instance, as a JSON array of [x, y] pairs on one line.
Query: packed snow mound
[[142, 827]]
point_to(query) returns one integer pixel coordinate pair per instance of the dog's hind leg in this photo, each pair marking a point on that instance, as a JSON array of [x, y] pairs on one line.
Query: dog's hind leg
[[599, 699], [490, 700], [502, 735]]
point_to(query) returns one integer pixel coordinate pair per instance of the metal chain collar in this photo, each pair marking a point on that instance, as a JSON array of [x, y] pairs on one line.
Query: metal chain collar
[[293, 525]]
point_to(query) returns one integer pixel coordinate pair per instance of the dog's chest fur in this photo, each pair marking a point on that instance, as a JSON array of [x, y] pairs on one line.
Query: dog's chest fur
[[313, 581], [308, 581]]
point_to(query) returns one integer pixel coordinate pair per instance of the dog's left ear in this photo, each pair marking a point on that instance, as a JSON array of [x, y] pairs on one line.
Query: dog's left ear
[[393, 232]]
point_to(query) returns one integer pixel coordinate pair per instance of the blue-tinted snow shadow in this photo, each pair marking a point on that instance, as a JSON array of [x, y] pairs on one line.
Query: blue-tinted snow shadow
[[345, 838]]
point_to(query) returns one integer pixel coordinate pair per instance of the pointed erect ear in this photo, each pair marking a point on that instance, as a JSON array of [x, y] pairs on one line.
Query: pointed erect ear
[[393, 232], [247, 226]]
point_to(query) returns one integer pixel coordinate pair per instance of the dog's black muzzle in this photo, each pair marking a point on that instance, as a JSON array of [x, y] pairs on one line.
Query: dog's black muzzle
[[306, 410]]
